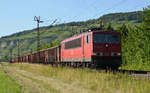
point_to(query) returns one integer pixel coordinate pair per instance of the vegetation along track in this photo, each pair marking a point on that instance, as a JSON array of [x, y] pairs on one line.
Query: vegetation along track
[[134, 73], [39, 78], [137, 73]]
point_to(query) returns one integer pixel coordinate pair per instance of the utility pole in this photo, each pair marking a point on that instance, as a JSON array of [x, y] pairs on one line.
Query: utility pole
[[18, 45], [37, 19], [31, 51], [101, 24], [11, 55]]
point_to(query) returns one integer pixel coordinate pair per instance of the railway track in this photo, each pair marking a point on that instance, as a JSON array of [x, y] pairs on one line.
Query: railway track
[[136, 73], [133, 73], [140, 74]]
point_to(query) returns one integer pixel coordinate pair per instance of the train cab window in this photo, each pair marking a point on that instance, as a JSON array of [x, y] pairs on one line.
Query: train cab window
[[89, 38], [106, 38], [73, 44]]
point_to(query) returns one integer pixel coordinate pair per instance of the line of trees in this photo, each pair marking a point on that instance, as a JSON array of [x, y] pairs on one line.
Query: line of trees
[[136, 44]]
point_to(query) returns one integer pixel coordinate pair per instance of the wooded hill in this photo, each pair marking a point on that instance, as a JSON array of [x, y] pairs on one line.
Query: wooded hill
[[53, 35]]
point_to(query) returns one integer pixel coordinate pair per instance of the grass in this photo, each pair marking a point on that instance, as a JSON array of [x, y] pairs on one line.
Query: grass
[[136, 67], [7, 84], [45, 78]]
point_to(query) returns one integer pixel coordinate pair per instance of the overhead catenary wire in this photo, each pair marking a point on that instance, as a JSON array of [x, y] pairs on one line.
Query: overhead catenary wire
[[86, 8], [110, 8], [53, 22], [146, 2], [18, 45], [11, 55], [116, 5], [92, 5]]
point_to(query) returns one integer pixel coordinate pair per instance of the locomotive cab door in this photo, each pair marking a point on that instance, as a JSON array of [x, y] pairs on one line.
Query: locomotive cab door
[[83, 49]]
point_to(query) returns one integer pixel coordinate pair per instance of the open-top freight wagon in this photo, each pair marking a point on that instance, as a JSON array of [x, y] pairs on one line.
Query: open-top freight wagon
[[94, 48]]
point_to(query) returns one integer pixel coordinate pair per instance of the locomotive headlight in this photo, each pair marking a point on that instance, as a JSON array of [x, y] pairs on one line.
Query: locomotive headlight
[[115, 54], [119, 54], [106, 45], [98, 54]]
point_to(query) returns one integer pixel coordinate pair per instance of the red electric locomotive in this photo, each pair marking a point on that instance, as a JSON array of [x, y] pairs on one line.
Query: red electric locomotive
[[94, 48]]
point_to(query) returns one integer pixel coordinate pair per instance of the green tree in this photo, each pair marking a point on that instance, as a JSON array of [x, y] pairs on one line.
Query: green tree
[[109, 27], [135, 44], [146, 19], [145, 27], [124, 30]]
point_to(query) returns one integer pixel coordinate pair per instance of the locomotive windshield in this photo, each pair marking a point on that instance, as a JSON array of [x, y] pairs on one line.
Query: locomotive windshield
[[106, 38]]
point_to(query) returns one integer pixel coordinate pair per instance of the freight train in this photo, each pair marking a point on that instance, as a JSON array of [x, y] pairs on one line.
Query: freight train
[[93, 48]]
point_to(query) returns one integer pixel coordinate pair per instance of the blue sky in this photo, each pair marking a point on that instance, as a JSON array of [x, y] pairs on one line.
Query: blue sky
[[17, 15]]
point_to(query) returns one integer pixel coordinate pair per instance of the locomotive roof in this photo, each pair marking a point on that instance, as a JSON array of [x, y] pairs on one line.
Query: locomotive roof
[[89, 31]]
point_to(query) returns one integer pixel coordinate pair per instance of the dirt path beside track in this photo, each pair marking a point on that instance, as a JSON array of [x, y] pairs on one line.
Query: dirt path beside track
[[34, 83]]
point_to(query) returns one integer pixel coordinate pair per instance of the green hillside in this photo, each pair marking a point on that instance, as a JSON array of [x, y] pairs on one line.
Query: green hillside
[[59, 32], [134, 27]]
